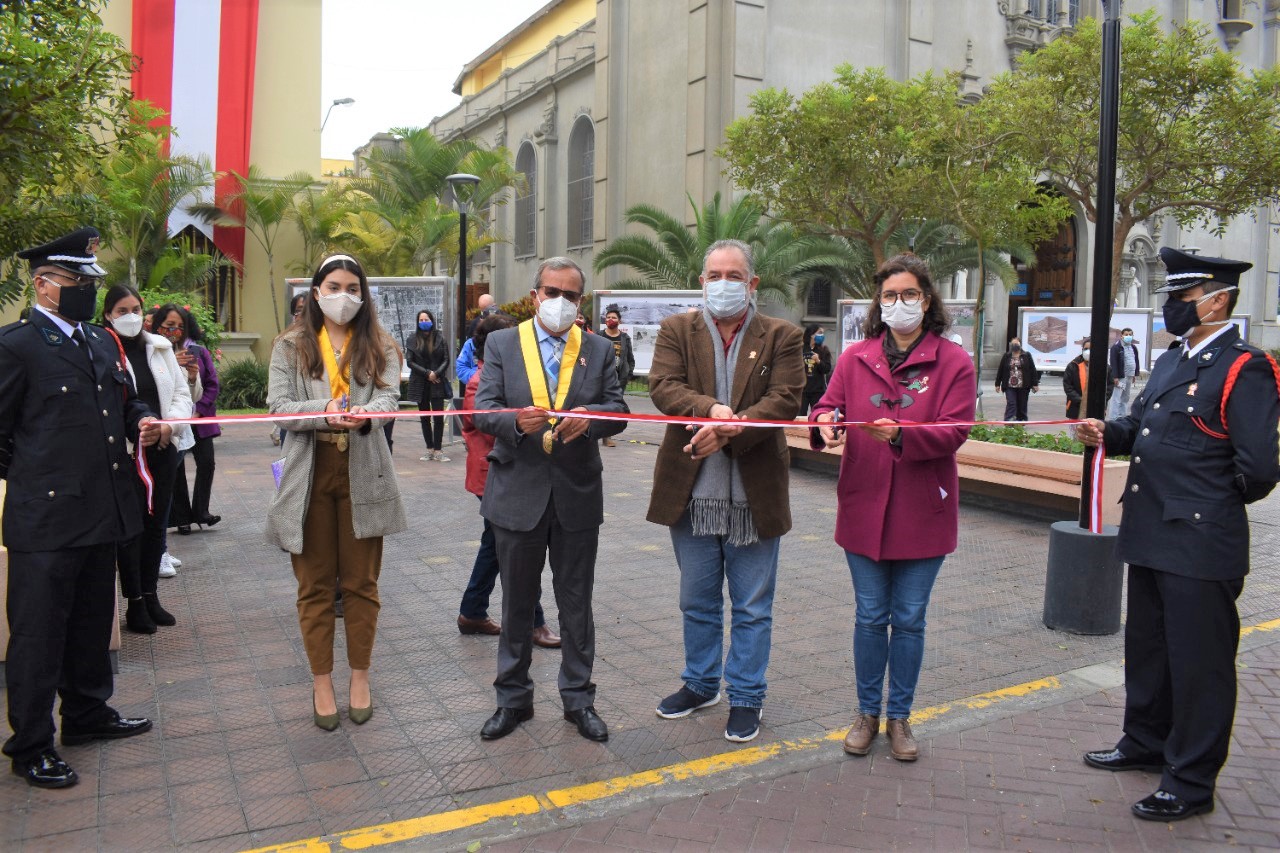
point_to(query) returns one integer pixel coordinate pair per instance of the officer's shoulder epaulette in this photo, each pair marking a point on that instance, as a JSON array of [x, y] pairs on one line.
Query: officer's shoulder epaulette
[[10, 328]]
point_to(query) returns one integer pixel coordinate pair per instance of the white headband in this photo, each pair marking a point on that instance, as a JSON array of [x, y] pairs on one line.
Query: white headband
[[333, 258]]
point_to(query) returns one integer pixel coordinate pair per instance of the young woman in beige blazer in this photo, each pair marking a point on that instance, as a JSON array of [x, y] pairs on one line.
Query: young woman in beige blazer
[[338, 493]]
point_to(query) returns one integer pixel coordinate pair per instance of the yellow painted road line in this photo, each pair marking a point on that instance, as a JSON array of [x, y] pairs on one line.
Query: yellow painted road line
[[424, 827], [1273, 625]]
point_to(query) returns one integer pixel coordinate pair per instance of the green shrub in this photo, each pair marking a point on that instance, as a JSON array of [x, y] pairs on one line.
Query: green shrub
[[243, 385], [1020, 437]]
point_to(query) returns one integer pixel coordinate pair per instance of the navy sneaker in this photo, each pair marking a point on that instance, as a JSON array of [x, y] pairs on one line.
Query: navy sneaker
[[744, 724], [683, 703]]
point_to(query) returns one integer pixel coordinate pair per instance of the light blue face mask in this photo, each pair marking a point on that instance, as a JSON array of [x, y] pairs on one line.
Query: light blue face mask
[[726, 298], [425, 325]]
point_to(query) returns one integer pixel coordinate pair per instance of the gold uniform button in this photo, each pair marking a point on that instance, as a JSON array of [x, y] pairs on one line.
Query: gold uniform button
[[52, 494], [64, 389]]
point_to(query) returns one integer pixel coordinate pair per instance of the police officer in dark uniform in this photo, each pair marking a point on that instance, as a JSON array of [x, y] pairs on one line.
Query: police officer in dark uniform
[[1202, 441], [67, 409]]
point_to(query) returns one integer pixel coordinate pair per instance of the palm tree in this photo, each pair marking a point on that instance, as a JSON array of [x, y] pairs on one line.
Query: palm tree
[[259, 205], [786, 260], [142, 187], [320, 214], [408, 181]]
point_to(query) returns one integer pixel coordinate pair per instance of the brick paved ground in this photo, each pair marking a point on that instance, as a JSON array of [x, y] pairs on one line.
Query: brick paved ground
[[1016, 784], [235, 762]]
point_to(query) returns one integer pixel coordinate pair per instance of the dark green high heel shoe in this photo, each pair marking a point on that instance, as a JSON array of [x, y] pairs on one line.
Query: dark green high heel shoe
[[328, 722], [360, 716]]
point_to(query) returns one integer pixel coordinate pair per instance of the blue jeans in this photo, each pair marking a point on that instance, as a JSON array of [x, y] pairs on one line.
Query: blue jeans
[[889, 592], [752, 571], [484, 575]]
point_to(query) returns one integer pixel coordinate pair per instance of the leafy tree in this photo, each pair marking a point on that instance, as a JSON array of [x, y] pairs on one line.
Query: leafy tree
[[259, 205], [1199, 139], [785, 259], [992, 197], [62, 100], [856, 157]]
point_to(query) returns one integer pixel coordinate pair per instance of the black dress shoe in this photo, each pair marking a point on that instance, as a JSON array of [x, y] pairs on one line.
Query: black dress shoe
[[1116, 761], [1165, 806], [504, 722], [589, 724], [112, 728], [208, 520], [184, 529], [46, 770]]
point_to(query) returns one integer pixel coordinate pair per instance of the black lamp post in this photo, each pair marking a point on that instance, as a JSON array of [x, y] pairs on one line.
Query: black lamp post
[[1085, 579], [462, 185]]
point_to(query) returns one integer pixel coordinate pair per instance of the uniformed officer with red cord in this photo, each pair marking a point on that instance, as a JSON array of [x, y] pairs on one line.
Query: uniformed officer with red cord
[[1202, 444]]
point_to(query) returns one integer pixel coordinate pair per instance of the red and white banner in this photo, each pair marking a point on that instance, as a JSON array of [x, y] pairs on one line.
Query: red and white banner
[[196, 62]]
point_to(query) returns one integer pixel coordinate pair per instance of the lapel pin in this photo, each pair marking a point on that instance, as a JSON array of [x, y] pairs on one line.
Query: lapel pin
[[1206, 356], [582, 362], [1191, 390], [751, 354]]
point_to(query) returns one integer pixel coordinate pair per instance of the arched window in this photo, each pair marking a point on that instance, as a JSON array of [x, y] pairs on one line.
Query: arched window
[[582, 176], [526, 229]]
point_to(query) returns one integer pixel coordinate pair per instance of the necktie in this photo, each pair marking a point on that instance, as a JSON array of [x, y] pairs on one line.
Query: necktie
[[553, 366], [83, 345]]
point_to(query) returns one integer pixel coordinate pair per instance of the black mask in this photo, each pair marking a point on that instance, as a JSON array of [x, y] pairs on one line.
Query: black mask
[[1015, 348], [77, 304], [1180, 317]]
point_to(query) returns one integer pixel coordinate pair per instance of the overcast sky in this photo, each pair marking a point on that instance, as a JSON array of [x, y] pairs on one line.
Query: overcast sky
[[399, 58]]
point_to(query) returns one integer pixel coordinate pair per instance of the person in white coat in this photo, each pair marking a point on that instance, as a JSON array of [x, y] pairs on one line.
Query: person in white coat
[[163, 385]]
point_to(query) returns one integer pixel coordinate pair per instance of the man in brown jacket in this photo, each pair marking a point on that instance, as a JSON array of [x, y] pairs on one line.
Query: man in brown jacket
[[723, 489]]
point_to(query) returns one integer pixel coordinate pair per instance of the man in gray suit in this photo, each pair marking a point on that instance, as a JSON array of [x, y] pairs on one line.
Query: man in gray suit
[[543, 493]]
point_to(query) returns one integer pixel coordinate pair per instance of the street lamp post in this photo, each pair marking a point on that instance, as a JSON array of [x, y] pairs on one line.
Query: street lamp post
[[462, 185], [338, 102], [1085, 579]]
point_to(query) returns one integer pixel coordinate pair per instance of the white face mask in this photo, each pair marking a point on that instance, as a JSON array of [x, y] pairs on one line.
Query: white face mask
[[903, 318], [128, 325], [726, 298], [341, 308], [558, 314]]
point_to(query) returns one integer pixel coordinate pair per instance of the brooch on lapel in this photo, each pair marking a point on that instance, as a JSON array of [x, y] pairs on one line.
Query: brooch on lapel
[[1191, 389], [1206, 356], [751, 355], [921, 385], [51, 336], [582, 362]]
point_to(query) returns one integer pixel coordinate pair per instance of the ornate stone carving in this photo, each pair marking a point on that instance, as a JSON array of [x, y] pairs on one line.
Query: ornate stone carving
[[546, 132], [1027, 31]]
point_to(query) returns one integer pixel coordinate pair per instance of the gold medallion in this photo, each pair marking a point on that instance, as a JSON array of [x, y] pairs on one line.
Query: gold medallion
[[342, 441], [548, 440]]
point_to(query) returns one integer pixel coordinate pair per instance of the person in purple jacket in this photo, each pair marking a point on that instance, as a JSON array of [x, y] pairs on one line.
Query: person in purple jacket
[[176, 323], [897, 496]]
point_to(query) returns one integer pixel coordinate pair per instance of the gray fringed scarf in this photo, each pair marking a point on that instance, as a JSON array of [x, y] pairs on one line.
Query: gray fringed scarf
[[718, 506]]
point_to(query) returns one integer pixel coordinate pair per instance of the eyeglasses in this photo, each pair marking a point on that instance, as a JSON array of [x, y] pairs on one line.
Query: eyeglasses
[[79, 281], [908, 297], [574, 296]]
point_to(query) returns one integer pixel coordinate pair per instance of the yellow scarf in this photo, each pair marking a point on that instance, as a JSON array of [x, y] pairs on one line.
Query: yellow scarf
[[537, 373], [339, 380]]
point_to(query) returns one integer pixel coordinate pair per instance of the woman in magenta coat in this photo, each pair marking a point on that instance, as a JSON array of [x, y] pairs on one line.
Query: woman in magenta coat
[[897, 493]]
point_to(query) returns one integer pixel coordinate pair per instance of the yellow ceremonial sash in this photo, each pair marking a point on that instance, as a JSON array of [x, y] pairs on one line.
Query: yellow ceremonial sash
[[538, 374], [339, 382]]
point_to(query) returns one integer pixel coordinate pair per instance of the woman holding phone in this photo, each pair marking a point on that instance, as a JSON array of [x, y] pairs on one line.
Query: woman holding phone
[[338, 494]]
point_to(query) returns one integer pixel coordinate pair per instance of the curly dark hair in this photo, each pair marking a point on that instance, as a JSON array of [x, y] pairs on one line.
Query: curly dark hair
[[936, 318]]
